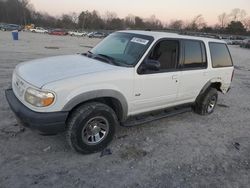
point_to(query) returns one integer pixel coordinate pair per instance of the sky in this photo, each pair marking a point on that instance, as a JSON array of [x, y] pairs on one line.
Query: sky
[[165, 10]]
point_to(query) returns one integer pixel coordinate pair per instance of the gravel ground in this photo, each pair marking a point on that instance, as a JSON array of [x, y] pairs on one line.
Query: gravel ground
[[186, 150]]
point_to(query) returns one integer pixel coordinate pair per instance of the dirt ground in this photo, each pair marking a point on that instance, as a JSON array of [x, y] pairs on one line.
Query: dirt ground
[[186, 150]]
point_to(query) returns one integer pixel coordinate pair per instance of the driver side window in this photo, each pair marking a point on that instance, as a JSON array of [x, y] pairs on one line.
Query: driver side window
[[167, 53]]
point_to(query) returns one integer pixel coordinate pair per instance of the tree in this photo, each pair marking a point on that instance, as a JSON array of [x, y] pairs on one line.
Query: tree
[[176, 25], [207, 29], [197, 23], [115, 24], [246, 23], [66, 21], [22, 12], [238, 14], [223, 20], [74, 17], [110, 16], [139, 23], [96, 21], [83, 19], [90, 20], [43, 19], [130, 21], [153, 23], [236, 27], [112, 22]]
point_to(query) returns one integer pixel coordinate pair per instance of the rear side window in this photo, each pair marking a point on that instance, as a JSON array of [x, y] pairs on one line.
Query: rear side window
[[195, 56], [220, 55]]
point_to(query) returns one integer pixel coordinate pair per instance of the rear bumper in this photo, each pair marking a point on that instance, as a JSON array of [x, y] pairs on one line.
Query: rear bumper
[[48, 123]]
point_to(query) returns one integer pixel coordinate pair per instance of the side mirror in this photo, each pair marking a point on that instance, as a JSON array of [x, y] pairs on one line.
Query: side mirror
[[150, 65]]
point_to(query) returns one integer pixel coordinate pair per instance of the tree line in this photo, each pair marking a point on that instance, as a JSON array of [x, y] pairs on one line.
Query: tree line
[[22, 12]]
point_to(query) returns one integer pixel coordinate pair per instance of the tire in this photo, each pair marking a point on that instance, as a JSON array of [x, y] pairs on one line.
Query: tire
[[88, 120], [205, 103]]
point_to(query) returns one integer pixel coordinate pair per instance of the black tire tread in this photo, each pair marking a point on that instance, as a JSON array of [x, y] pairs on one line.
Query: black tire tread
[[201, 102], [83, 110]]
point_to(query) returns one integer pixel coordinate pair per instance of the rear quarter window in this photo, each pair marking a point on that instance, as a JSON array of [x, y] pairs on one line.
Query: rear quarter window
[[220, 55]]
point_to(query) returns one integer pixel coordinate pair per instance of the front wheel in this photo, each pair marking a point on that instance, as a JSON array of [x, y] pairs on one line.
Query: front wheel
[[205, 104], [91, 127]]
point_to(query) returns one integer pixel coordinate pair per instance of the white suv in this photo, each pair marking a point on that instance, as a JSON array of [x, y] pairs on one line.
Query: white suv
[[128, 74]]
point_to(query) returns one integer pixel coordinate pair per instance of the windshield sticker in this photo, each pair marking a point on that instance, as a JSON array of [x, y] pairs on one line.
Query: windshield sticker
[[140, 41]]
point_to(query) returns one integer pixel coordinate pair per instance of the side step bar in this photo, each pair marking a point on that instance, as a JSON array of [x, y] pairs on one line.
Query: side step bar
[[146, 118]]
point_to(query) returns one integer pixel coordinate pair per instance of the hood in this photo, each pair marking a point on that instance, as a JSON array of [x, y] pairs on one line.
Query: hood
[[42, 71]]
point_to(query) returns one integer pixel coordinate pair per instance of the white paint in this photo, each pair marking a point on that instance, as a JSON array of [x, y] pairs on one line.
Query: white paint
[[70, 76]]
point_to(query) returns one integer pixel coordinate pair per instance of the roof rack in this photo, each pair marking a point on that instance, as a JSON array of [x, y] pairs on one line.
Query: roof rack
[[196, 34]]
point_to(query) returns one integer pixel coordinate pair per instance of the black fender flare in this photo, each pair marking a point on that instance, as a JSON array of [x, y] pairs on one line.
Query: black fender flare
[[91, 95], [204, 89]]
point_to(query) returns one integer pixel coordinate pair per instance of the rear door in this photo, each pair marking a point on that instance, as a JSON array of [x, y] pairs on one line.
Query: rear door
[[193, 68]]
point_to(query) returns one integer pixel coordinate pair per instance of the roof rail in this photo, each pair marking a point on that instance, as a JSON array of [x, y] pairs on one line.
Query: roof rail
[[196, 34]]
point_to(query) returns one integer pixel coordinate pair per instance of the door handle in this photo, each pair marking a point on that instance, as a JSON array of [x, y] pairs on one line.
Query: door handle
[[174, 77]]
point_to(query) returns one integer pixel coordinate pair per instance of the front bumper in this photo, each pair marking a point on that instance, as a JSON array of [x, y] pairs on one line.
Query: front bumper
[[48, 123]]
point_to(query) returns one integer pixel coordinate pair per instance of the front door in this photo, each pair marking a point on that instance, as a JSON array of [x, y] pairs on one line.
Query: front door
[[156, 89]]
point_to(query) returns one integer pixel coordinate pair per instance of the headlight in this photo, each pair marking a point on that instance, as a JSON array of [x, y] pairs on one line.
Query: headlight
[[39, 98]]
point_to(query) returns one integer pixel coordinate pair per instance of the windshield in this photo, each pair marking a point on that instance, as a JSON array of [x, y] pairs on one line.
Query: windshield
[[124, 49]]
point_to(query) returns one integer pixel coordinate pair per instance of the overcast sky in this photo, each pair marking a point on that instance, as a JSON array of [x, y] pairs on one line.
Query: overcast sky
[[165, 10]]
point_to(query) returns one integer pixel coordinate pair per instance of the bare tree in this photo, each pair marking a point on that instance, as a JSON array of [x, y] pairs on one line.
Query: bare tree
[[223, 20], [238, 14], [197, 23], [22, 12], [130, 21], [154, 23], [23, 5], [66, 21], [74, 17], [110, 16], [176, 24], [246, 23], [139, 23]]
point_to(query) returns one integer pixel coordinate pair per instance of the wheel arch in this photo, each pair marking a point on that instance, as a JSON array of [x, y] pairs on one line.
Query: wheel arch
[[214, 84], [112, 98], [210, 84]]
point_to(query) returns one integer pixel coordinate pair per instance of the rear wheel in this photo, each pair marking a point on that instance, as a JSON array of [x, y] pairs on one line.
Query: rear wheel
[[91, 127], [205, 103]]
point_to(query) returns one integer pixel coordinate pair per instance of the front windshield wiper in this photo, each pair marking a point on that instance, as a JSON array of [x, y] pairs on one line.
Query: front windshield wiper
[[88, 54], [114, 61], [101, 57], [111, 59], [106, 58]]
